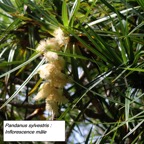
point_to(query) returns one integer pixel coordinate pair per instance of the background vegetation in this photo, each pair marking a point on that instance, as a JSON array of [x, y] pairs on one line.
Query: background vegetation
[[104, 58]]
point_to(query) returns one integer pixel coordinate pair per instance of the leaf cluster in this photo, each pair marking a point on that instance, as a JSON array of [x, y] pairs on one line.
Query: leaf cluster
[[104, 58]]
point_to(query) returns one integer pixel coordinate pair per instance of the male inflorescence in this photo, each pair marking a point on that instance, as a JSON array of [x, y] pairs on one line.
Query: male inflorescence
[[51, 72]]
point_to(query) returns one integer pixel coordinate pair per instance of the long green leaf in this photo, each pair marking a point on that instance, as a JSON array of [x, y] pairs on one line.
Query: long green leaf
[[88, 136], [18, 67], [135, 69], [127, 105], [7, 8], [133, 130], [23, 84], [65, 14], [141, 3], [110, 16], [74, 12]]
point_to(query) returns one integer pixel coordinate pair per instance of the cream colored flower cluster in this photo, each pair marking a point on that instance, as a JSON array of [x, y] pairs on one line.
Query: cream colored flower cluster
[[51, 72]]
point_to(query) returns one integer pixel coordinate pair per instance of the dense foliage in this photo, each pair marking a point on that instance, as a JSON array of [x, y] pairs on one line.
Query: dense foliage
[[103, 59]]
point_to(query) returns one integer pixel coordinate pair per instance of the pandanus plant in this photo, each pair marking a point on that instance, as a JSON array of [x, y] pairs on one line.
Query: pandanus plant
[[78, 61]]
